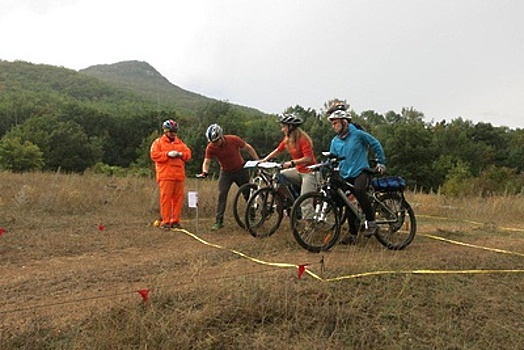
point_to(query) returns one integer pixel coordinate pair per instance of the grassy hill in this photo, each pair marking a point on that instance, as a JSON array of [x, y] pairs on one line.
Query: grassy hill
[[143, 79], [29, 89]]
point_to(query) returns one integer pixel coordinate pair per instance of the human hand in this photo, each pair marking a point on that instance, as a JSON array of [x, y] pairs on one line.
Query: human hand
[[381, 168], [174, 154]]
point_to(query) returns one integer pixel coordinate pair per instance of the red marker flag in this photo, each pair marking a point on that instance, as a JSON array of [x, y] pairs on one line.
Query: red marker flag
[[301, 269], [143, 293], [101, 227], [2, 230]]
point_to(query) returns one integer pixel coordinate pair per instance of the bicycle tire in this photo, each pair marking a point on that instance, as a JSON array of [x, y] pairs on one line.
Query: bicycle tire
[[240, 205], [315, 229], [264, 212], [399, 234]]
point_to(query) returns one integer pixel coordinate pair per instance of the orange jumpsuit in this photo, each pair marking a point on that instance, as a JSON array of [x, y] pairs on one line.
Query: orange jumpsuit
[[171, 176]]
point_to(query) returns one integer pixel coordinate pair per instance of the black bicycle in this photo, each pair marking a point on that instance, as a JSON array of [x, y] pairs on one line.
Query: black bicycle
[[265, 208], [317, 217], [260, 178]]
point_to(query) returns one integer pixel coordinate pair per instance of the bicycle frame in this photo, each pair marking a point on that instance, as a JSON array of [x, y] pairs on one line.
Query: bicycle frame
[[266, 206]]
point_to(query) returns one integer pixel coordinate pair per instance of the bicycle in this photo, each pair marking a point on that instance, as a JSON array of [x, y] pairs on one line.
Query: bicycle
[[265, 209], [262, 178], [320, 230]]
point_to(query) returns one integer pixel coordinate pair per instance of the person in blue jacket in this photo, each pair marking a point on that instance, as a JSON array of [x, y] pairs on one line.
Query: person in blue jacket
[[353, 144]]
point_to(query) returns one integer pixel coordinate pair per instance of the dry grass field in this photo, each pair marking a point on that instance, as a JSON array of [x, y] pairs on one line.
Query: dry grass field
[[77, 249]]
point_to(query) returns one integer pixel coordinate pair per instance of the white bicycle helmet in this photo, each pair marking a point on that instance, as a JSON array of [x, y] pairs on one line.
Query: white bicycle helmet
[[214, 132]]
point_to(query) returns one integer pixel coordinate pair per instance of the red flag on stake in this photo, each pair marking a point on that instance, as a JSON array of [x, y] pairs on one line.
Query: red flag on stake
[[2, 230], [301, 269], [101, 227], [143, 293]]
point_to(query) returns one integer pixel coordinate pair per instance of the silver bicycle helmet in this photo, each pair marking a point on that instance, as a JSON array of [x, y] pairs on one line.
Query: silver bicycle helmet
[[214, 132]]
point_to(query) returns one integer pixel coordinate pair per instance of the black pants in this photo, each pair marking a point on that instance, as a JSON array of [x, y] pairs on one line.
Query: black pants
[[361, 183], [225, 180]]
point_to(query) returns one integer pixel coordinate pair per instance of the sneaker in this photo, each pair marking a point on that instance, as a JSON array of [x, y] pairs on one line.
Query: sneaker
[[371, 229], [349, 240], [217, 226]]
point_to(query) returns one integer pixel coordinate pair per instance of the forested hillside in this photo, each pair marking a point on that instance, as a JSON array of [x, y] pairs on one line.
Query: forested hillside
[[105, 117]]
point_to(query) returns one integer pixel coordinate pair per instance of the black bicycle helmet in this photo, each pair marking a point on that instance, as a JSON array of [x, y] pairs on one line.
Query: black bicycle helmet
[[290, 119]]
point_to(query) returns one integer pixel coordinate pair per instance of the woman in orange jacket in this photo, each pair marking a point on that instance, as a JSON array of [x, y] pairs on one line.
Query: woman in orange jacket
[[170, 154]]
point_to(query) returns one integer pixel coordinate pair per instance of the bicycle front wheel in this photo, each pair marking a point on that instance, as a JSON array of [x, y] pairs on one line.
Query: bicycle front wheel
[[396, 221], [240, 202], [264, 212], [315, 222]]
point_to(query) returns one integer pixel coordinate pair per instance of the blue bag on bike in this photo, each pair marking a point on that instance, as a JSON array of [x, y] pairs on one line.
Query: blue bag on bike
[[389, 183]]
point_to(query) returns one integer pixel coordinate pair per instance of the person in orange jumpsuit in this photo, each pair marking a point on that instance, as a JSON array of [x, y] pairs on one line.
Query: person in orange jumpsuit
[[170, 153]]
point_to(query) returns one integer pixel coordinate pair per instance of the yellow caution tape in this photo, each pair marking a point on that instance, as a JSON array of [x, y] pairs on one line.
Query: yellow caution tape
[[365, 274], [470, 245]]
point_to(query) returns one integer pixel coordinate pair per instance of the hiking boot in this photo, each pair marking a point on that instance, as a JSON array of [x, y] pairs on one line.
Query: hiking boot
[[165, 226], [176, 225], [349, 240], [371, 229], [217, 226]]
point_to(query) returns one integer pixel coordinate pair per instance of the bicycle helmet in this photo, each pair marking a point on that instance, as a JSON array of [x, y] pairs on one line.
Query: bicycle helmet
[[340, 114], [337, 106], [170, 125], [290, 119], [214, 132]]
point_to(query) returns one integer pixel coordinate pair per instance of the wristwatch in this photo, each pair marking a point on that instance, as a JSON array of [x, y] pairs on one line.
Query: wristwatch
[[293, 163]]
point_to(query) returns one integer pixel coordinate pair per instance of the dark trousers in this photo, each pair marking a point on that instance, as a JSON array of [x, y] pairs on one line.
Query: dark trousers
[[361, 183], [225, 180]]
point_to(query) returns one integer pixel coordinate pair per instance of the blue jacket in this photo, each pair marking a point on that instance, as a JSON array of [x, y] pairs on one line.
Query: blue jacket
[[354, 148]]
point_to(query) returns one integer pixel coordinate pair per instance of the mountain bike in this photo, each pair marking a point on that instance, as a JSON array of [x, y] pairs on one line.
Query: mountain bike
[[332, 203], [265, 209], [261, 178]]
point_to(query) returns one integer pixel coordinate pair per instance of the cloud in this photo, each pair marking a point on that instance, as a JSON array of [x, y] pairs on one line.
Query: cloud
[[444, 58]]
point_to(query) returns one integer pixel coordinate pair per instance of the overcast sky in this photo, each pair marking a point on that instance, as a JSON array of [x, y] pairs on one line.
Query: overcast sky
[[445, 58]]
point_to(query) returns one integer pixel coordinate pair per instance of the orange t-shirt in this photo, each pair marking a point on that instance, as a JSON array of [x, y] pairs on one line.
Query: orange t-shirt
[[304, 149], [228, 153]]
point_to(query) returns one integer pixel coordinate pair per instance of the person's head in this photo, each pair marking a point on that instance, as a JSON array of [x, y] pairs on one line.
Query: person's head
[[289, 122], [214, 133], [170, 128], [339, 120]]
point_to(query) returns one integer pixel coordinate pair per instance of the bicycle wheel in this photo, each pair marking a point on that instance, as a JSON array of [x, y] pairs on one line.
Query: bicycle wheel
[[315, 222], [396, 221], [239, 203], [264, 212]]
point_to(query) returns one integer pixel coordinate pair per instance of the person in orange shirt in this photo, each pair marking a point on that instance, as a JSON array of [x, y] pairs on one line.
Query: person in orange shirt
[[226, 149], [170, 153], [300, 147]]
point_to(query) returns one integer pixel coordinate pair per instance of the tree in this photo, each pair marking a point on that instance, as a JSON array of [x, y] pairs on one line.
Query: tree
[[19, 156], [64, 144]]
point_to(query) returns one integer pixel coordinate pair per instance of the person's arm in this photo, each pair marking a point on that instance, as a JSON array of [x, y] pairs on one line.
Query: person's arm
[[206, 165], [378, 150], [251, 151], [307, 151], [272, 154]]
